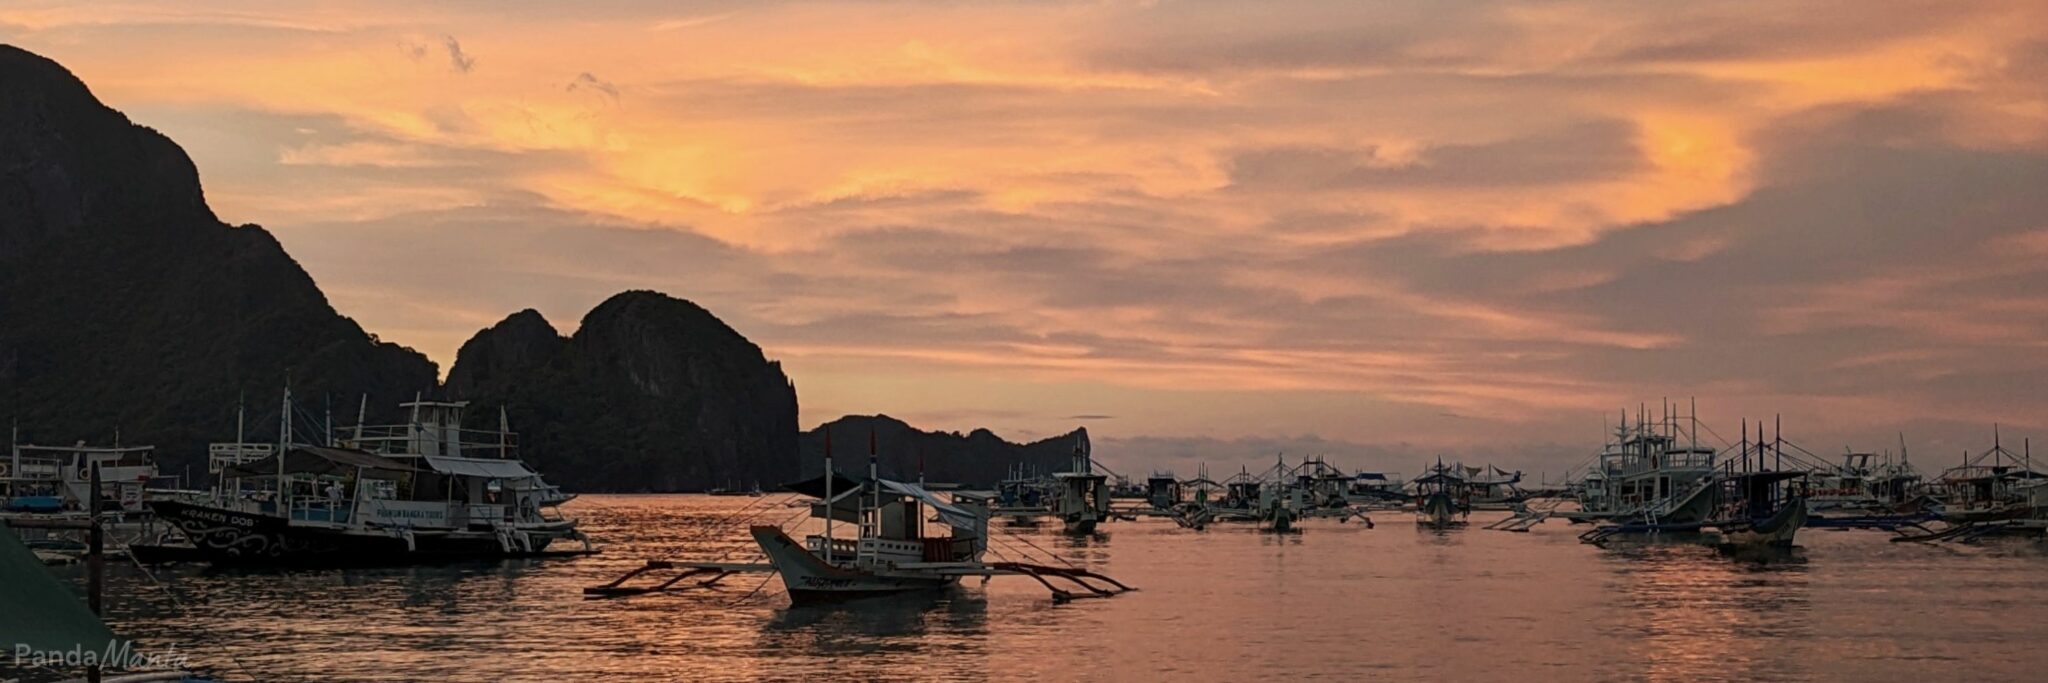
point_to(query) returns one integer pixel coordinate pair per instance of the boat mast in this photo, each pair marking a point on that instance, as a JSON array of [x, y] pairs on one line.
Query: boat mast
[[362, 413], [284, 443], [874, 496], [828, 494], [504, 431]]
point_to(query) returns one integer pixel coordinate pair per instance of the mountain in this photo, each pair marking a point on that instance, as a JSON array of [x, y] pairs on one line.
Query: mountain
[[652, 393], [978, 458], [127, 306]]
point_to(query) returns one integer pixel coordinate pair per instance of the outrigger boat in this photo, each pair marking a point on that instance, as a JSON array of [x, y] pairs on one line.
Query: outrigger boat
[[1083, 495], [1442, 497], [50, 483], [893, 553], [425, 491]]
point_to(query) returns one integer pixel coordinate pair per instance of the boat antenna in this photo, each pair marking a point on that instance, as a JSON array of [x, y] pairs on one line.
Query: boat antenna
[[504, 431], [1778, 448], [328, 399]]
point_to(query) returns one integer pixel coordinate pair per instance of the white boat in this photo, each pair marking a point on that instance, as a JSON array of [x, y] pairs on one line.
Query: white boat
[[428, 490], [893, 550]]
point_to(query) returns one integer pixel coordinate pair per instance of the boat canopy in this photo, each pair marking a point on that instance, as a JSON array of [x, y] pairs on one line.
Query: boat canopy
[[1370, 476], [958, 518], [844, 487], [38, 613], [479, 467], [321, 460]]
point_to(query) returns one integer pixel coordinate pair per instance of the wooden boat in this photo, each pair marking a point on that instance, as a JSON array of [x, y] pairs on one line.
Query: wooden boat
[[1760, 508], [1442, 497], [425, 491], [892, 552]]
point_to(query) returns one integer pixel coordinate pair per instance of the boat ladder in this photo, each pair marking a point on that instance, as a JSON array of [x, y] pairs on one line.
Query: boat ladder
[[618, 589]]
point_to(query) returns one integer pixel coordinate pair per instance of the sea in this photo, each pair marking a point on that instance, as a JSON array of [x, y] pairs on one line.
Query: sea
[[1338, 601]]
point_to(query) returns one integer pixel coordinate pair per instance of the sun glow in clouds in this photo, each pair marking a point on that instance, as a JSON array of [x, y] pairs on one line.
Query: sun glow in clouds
[[1521, 213]]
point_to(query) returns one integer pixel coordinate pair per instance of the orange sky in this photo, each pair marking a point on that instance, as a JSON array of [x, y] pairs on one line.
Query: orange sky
[[1369, 229]]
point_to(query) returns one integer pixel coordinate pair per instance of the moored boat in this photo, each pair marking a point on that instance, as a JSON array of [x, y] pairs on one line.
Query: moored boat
[[425, 491]]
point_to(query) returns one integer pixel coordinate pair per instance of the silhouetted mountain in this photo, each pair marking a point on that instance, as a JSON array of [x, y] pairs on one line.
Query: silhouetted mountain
[[125, 304], [652, 393], [978, 458]]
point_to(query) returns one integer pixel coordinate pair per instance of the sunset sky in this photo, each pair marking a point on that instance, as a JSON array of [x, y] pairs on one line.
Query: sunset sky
[[1204, 230]]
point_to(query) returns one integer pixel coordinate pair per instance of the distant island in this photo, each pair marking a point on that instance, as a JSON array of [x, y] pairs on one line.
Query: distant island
[[126, 304]]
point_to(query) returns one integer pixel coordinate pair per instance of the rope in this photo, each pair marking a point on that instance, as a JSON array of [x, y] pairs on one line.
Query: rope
[[1047, 553], [757, 588]]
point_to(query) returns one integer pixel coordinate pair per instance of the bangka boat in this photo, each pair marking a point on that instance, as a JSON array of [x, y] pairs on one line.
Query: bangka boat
[[1442, 497], [424, 491], [892, 552]]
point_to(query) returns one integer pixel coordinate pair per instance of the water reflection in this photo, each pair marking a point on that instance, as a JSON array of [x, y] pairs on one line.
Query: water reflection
[[1689, 613], [1336, 601]]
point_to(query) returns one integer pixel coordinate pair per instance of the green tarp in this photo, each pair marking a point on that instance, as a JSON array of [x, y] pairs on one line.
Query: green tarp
[[40, 612]]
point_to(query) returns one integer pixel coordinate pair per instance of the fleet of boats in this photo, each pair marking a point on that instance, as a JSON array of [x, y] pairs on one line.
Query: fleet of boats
[[433, 490]]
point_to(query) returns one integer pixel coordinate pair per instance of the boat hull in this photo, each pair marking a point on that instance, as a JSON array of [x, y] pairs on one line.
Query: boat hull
[[1775, 532], [810, 580], [225, 536], [1438, 511]]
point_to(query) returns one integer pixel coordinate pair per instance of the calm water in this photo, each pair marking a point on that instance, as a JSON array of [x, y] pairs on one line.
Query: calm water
[[1339, 601]]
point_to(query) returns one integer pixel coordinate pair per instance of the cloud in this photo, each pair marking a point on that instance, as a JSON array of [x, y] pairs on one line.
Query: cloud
[[1399, 228], [458, 59], [586, 81]]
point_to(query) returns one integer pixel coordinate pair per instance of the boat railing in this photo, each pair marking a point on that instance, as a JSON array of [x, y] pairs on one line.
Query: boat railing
[[389, 439], [32, 468], [841, 547]]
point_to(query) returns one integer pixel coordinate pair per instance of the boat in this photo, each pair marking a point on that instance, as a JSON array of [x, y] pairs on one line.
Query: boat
[[51, 483], [892, 552], [1760, 509], [1653, 476], [46, 626], [425, 491], [1442, 497], [1081, 501]]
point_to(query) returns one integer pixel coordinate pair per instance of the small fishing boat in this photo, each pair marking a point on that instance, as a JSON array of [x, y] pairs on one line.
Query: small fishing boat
[[1442, 497], [893, 552], [1082, 497], [1760, 509]]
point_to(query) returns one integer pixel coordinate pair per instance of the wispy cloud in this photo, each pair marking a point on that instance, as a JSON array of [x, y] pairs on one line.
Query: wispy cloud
[[459, 60]]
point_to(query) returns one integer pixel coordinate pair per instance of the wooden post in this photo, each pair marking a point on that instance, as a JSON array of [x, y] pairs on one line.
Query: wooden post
[[94, 562]]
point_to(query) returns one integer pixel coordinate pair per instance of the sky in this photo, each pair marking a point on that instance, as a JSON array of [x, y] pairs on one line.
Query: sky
[[1207, 231]]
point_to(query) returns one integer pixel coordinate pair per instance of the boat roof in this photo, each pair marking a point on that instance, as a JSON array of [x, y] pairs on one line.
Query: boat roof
[[1777, 475], [490, 468], [320, 460]]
